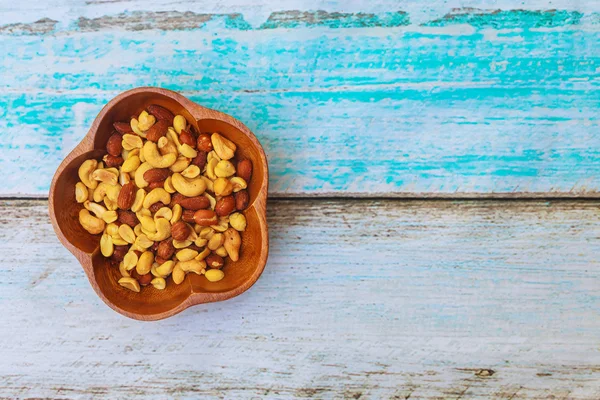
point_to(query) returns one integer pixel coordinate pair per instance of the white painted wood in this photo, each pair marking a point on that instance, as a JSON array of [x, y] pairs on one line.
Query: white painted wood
[[360, 299]]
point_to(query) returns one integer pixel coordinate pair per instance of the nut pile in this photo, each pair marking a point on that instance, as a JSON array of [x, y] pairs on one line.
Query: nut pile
[[166, 200]]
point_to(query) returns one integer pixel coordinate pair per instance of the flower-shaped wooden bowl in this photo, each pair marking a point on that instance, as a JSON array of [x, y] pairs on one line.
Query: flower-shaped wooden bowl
[[150, 303]]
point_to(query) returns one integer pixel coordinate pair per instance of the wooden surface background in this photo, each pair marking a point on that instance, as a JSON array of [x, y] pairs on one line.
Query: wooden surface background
[[429, 298]]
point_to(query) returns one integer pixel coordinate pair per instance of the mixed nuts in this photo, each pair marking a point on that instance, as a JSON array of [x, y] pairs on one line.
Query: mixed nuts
[[166, 199]]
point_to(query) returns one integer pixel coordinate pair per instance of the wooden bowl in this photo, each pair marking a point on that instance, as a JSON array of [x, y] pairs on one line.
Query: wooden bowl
[[150, 303]]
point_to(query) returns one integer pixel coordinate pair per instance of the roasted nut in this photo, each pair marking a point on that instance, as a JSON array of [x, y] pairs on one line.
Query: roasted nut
[[122, 127], [188, 151], [154, 208], [241, 200], [224, 147], [205, 217], [216, 241], [81, 192], [155, 185], [85, 172], [178, 274], [165, 248], [109, 216], [221, 251], [163, 230], [130, 283], [119, 253], [214, 261], [200, 159], [128, 218], [214, 275], [157, 130], [195, 266], [90, 223], [191, 172], [161, 113], [139, 175], [212, 200], [144, 263], [131, 164], [204, 143], [188, 187], [131, 142], [140, 195], [244, 169], [188, 216], [156, 195], [126, 196], [225, 205], [238, 221], [195, 203], [224, 169], [180, 230], [112, 161], [232, 243], [179, 123], [210, 168], [130, 260], [145, 121], [186, 138], [223, 187], [186, 254], [169, 186], [156, 174], [126, 233], [159, 283], [238, 184], [145, 280], [106, 175], [155, 158], [222, 224], [114, 146], [106, 246]]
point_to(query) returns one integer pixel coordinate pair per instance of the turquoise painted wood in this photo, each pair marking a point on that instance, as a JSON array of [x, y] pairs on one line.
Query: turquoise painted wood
[[464, 103]]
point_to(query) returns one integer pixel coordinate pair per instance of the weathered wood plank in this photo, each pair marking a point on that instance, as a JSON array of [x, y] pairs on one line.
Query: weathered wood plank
[[360, 299], [471, 104]]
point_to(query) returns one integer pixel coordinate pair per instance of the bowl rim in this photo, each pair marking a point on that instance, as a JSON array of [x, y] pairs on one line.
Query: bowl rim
[[198, 112]]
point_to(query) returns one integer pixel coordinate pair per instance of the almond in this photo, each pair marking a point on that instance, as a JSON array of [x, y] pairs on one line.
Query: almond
[[200, 159], [114, 146], [214, 261], [204, 143], [195, 203], [188, 216], [112, 161], [187, 138], [225, 205], [156, 206], [156, 174], [161, 113], [244, 169], [123, 127], [205, 217], [154, 185], [158, 130], [180, 230], [241, 200], [165, 250], [128, 218], [126, 196]]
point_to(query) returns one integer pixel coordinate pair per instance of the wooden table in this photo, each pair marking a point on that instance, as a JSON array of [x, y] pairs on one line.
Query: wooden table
[[433, 227]]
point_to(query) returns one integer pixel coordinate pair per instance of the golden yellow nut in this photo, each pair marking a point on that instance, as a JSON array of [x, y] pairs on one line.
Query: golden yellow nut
[[164, 212], [147, 222], [238, 221], [126, 232], [112, 229], [106, 246], [224, 169], [110, 216], [155, 158], [210, 169], [159, 283], [208, 182], [187, 151], [214, 275], [155, 196], [163, 230], [143, 242], [194, 266], [179, 123], [104, 175], [124, 178], [130, 283], [203, 254], [145, 121], [110, 205], [216, 241], [181, 244], [138, 202], [134, 124], [224, 147], [238, 183], [139, 175], [130, 260], [232, 243], [169, 186], [90, 223], [180, 164], [222, 187], [81, 192], [123, 271], [166, 268], [144, 263], [188, 187], [130, 142], [178, 274], [221, 251], [186, 254], [191, 172], [131, 164], [86, 169]]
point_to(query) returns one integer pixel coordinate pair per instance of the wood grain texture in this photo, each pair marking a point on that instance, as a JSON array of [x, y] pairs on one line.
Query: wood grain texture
[[360, 299], [378, 101]]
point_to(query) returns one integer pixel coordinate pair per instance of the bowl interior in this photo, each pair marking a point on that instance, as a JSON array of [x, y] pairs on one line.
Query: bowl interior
[[151, 301]]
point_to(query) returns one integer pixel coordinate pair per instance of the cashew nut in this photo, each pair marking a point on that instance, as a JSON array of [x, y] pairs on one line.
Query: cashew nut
[[232, 243], [163, 230], [130, 283], [134, 124], [194, 266], [189, 188], [144, 263], [147, 223], [96, 208], [155, 159], [238, 183], [166, 145], [110, 216], [85, 172], [139, 174], [211, 155], [81, 192], [224, 148], [110, 205], [186, 254], [90, 223], [164, 212], [180, 164], [143, 242], [210, 168], [156, 195], [104, 189], [145, 121]]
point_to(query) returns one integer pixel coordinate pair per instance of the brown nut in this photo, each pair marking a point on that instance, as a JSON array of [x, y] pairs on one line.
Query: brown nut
[[222, 187], [119, 253], [176, 199], [156, 174], [128, 218], [203, 143], [112, 161], [158, 130], [114, 145], [160, 260], [180, 231], [205, 217], [200, 159], [214, 261], [161, 113], [195, 203], [225, 205], [186, 137], [154, 185], [126, 196], [188, 216], [165, 249], [156, 206], [242, 198], [122, 127], [145, 280], [244, 169]]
